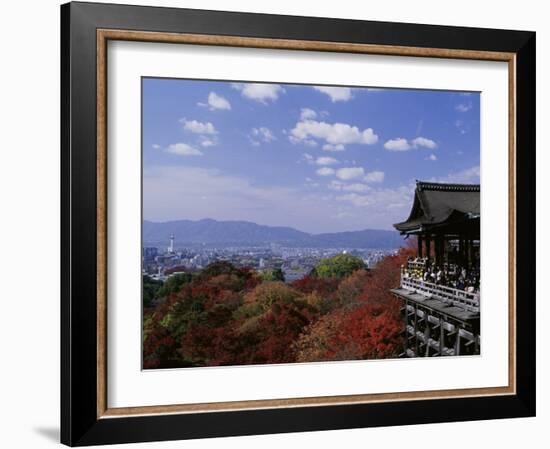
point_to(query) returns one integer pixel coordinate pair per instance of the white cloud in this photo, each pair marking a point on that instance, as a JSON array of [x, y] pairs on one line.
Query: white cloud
[[325, 160], [336, 93], [216, 102], [348, 173], [210, 193], [463, 107], [197, 127], [355, 187], [330, 147], [391, 203], [467, 176], [355, 199], [402, 144], [431, 157], [260, 92], [156, 146], [308, 142], [261, 134], [461, 126], [336, 135], [307, 114], [424, 142], [374, 176], [207, 141], [325, 171], [398, 144], [183, 149]]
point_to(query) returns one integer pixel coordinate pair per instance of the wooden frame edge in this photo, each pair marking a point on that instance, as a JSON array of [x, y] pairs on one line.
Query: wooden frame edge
[[101, 223], [103, 36], [319, 401], [292, 44], [512, 225]]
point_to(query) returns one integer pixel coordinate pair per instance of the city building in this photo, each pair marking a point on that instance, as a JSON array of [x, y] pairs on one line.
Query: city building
[[149, 253], [171, 247]]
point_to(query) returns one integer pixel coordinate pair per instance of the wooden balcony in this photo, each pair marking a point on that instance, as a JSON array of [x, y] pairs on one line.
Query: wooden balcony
[[447, 295], [439, 320]]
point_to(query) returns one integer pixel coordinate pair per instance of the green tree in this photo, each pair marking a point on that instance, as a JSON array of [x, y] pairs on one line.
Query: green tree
[[339, 266], [274, 274], [216, 269], [174, 284], [150, 290]]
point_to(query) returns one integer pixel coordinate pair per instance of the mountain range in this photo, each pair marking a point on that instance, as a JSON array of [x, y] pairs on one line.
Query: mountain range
[[244, 233]]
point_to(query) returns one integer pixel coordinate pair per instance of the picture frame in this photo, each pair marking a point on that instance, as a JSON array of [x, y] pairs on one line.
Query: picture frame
[[86, 28]]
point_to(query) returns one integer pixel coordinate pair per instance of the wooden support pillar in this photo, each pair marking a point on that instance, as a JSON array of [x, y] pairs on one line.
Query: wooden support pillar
[[428, 247], [441, 336], [415, 329], [439, 251], [419, 239], [427, 335]]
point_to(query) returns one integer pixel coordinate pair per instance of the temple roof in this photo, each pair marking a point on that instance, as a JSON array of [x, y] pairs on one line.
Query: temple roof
[[437, 204]]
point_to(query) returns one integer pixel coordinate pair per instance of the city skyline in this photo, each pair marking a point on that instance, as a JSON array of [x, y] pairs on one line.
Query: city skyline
[[314, 158]]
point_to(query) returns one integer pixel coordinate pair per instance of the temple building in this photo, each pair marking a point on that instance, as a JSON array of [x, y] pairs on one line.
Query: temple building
[[440, 287]]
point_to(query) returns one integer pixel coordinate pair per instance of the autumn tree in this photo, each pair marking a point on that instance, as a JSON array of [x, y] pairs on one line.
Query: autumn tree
[[351, 288], [367, 324], [272, 317], [182, 330], [319, 292]]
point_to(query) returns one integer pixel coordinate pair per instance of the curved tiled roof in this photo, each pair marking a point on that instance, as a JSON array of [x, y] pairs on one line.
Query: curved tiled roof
[[438, 203]]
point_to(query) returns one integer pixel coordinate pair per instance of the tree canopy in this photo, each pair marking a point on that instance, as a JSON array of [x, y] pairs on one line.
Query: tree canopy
[[226, 315], [339, 266]]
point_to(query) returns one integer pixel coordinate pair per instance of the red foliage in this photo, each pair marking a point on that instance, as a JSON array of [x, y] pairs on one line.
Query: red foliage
[[384, 277], [372, 328], [309, 284], [276, 332], [369, 332], [228, 316], [158, 348]]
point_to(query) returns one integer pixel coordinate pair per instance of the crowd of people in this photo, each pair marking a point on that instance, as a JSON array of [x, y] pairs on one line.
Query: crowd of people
[[448, 275]]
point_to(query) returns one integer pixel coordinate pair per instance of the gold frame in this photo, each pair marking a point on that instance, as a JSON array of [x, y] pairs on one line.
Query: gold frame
[[103, 36]]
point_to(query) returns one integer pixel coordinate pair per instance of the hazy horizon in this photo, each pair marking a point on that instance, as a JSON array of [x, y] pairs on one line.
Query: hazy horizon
[[268, 225]]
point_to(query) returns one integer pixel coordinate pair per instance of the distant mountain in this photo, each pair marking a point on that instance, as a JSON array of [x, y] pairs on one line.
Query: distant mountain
[[241, 233], [368, 238]]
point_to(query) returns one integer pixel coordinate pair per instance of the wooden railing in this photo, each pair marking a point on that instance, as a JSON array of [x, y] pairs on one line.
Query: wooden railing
[[418, 264], [452, 296]]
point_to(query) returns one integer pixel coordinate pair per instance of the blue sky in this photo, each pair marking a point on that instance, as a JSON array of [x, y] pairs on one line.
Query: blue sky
[[317, 158]]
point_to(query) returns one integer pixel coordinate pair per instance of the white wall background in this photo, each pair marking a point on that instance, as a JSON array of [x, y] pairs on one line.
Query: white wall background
[[29, 222]]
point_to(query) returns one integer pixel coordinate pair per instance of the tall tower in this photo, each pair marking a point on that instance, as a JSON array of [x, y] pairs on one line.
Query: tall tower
[[171, 247]]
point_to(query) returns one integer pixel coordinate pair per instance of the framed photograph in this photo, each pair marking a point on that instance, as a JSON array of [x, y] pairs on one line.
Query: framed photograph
[[281, 224]]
